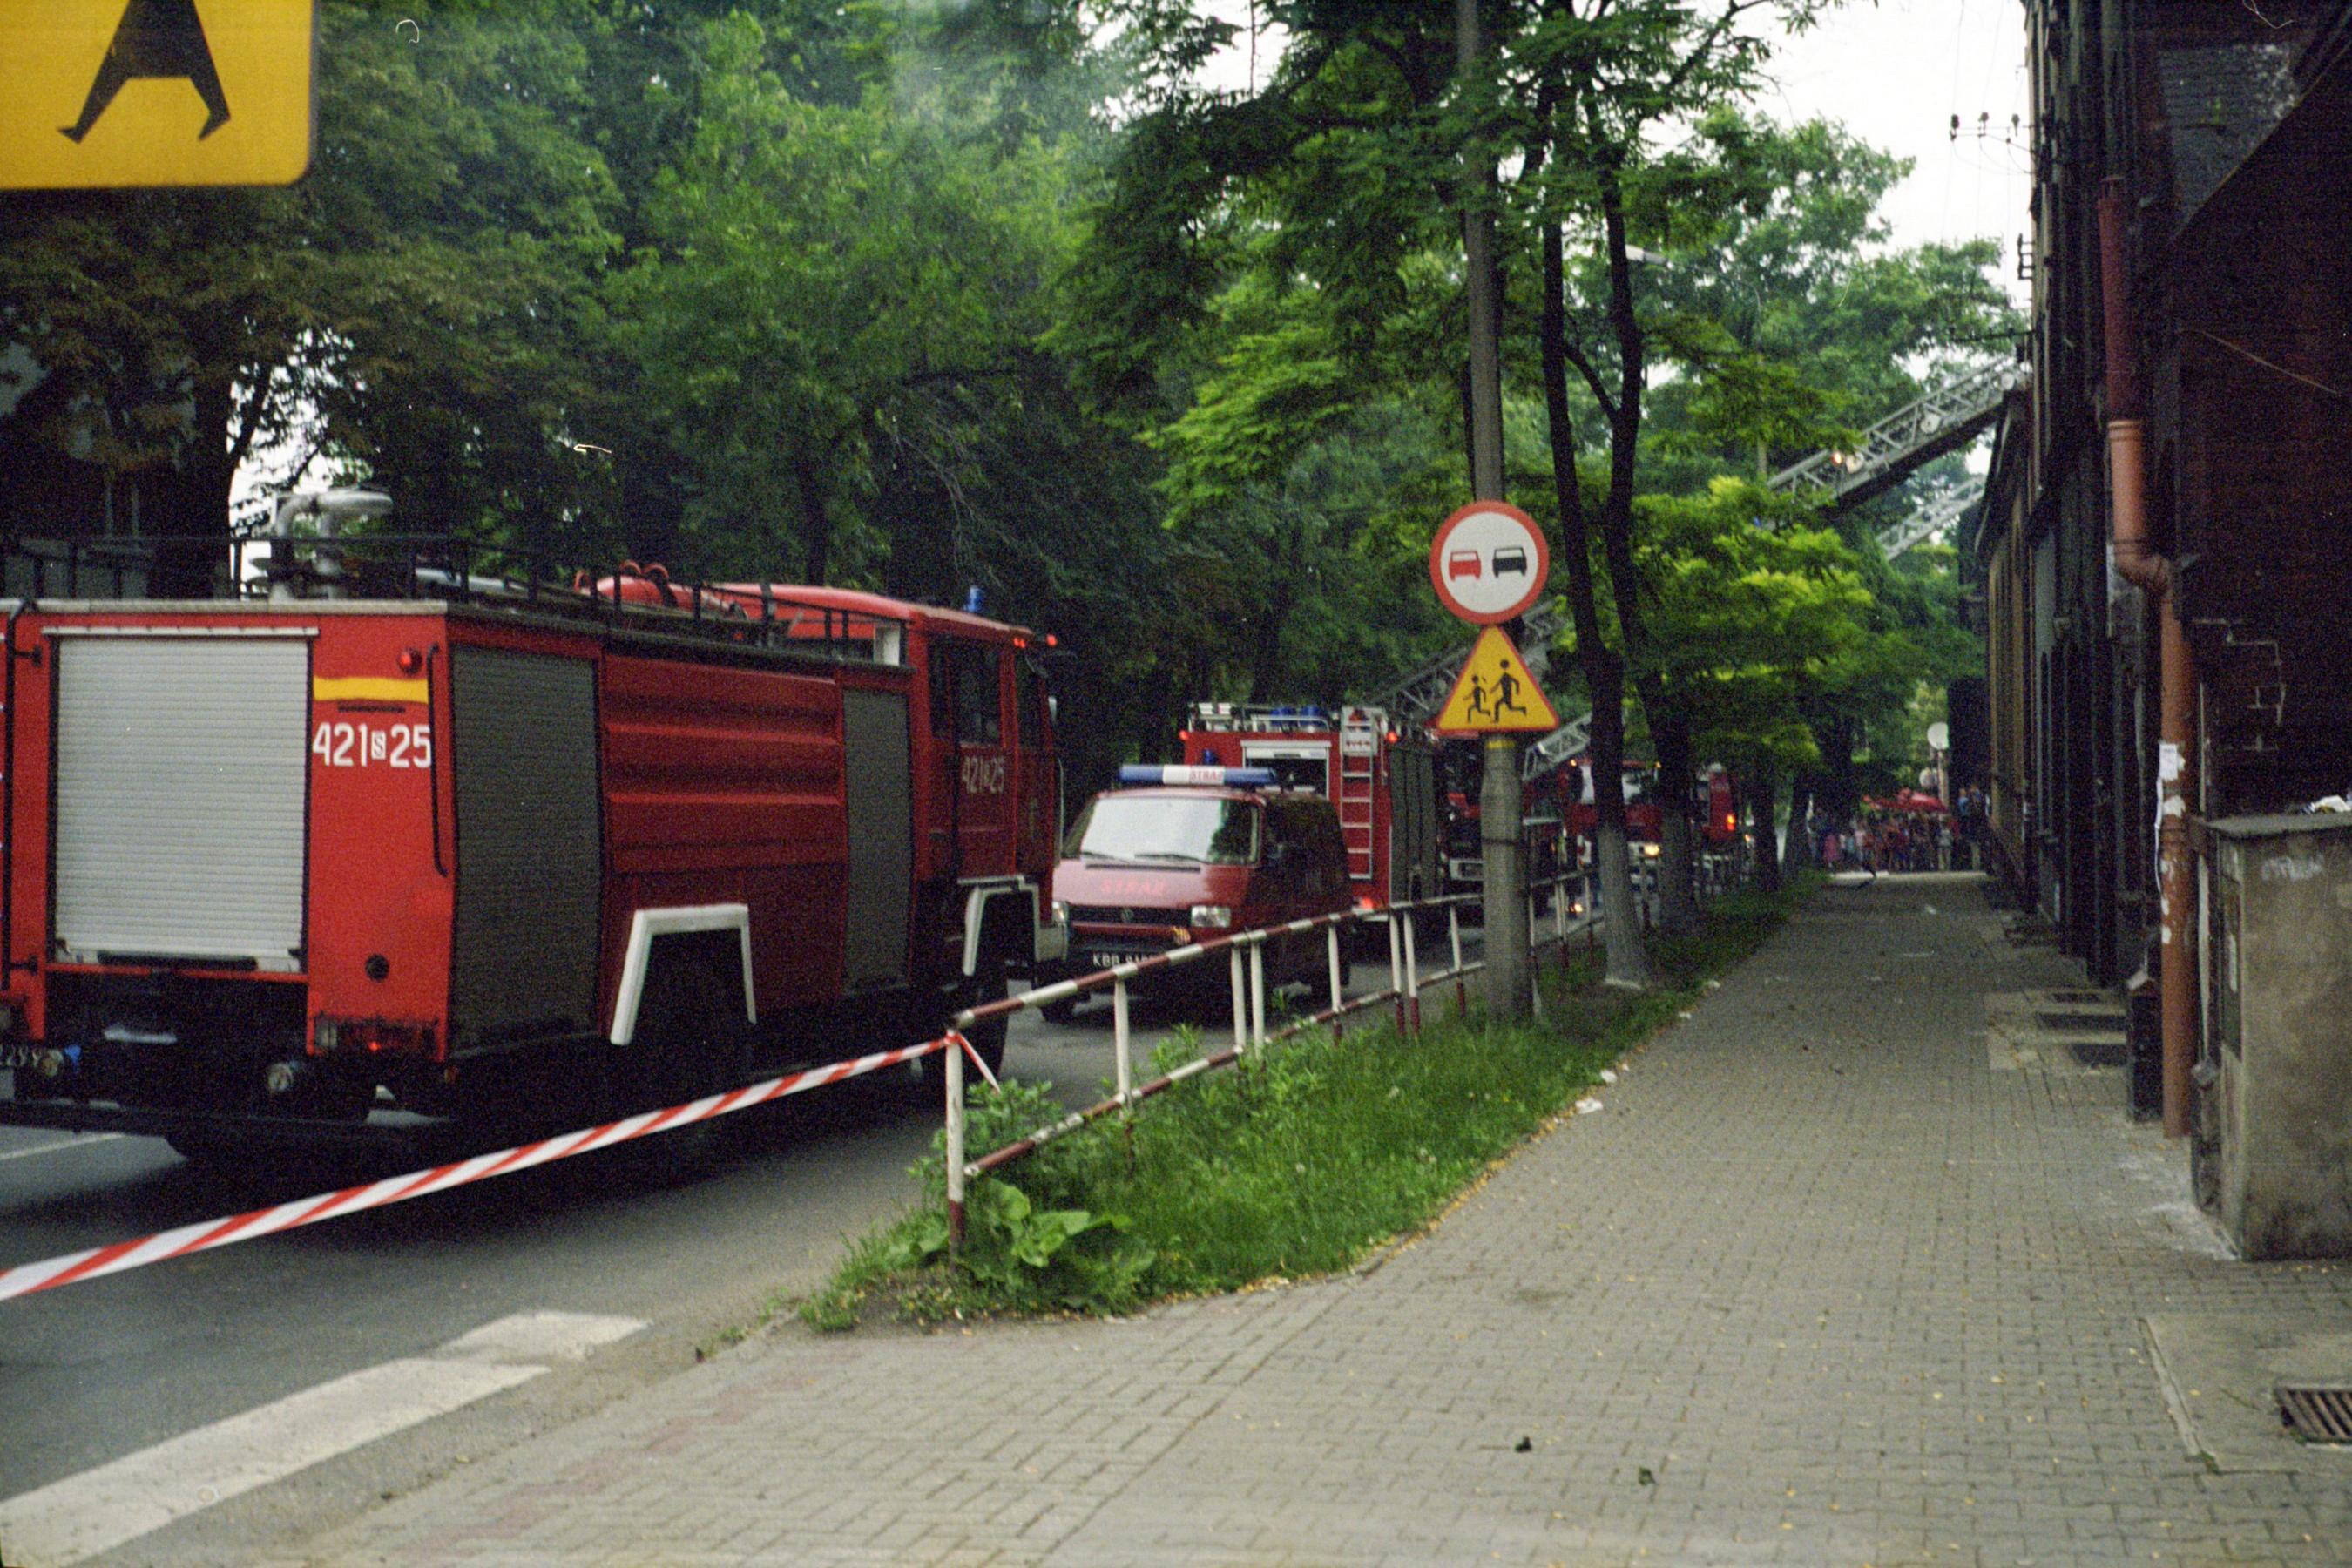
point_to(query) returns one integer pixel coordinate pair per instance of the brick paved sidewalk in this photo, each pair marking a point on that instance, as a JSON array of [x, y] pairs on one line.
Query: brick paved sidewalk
[[1828, 1281]]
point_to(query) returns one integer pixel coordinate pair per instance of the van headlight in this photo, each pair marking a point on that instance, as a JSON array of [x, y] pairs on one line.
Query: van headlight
[[1219, 917], [1649, 851]]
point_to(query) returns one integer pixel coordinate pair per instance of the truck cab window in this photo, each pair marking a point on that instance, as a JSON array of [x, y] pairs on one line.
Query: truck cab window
[[980, 695], [1029, 701]]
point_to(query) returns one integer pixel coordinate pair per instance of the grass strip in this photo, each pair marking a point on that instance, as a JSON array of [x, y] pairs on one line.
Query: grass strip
[[1305, 1161]]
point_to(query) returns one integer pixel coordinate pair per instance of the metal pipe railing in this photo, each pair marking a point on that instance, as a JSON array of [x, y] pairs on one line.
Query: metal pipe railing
[[1404, 990]]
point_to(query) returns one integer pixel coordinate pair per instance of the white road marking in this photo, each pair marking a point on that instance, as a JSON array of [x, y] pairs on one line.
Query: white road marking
[[539, 1336], [101, 1509], [82, 1142]]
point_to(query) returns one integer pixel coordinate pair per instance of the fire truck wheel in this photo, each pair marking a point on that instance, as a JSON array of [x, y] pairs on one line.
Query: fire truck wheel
[[1060, 1013], [694, 1045]]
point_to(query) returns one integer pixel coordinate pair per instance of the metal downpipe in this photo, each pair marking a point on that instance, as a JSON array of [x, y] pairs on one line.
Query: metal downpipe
[[2137, 563]]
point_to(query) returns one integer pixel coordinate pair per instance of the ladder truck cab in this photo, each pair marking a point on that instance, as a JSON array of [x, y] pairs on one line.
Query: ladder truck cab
[[1381, 778], [378, 828], [1644, 816]]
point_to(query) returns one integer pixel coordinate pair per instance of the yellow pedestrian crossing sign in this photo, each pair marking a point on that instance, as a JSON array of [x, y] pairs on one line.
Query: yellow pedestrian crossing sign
[[105, 93], [1495, 694]]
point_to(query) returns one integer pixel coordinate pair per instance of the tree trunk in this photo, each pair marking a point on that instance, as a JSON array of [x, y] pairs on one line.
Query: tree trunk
[[1677, 866], [1766, 853], [1628, 962], [817, 519], [192, 536], [1666, 720], [1798, 851]]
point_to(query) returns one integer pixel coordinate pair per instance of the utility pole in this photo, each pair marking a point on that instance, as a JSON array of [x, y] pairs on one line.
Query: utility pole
[[1504, 878]]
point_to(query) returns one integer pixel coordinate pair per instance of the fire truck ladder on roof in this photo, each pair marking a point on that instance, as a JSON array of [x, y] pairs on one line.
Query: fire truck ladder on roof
[[1359, 746]]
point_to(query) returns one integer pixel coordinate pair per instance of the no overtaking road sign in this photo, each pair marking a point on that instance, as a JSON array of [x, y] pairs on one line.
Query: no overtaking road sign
[[1488, 562]]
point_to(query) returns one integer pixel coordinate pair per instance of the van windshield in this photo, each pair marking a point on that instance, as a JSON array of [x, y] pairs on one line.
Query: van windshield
[[1167, 828]]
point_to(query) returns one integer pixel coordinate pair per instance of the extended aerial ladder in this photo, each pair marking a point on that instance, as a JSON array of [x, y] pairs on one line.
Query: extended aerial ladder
[[1889, 451]]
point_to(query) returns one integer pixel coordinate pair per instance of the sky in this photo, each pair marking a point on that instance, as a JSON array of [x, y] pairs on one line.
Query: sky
[[1895, 73]]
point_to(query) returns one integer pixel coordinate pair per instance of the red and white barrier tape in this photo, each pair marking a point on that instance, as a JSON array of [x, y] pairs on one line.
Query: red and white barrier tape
[[27, 1278], [955, 1037]]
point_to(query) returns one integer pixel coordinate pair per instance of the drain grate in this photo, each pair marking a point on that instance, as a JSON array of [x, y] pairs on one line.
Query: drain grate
[[2317, 1412], [2100, 1053], [2078, 998], [2081, 1022]]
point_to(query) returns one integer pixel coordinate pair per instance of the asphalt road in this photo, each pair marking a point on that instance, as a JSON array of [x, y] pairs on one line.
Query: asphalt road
[[93, 1371]]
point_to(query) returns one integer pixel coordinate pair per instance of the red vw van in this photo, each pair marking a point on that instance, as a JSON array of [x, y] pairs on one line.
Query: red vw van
[[1183, 854]]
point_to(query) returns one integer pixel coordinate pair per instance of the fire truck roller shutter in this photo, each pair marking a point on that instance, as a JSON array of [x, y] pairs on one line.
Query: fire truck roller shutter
[[881, 838], [183, 767], [522, 743]]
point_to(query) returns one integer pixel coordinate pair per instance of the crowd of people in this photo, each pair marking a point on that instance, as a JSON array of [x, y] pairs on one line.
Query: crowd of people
[[1919, 836]]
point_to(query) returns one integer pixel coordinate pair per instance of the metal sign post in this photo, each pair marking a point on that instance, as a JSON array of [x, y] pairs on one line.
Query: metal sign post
[[1489, 564]]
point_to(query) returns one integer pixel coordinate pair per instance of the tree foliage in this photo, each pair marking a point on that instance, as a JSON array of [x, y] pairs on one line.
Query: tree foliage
[[931, 295]]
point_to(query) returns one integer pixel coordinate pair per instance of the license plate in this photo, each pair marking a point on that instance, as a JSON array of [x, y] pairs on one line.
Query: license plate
[[1104, 960]]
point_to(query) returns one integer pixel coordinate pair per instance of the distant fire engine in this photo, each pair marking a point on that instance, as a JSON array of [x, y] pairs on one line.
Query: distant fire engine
[[1382, 780], [396, 828], [1543, 818], [1713, 796]]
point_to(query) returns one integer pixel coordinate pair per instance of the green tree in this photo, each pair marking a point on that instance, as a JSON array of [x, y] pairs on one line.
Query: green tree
[[1597, 83], [410, 294]]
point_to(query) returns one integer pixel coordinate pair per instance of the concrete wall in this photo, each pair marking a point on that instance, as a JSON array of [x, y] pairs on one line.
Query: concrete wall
[[2278, 949]]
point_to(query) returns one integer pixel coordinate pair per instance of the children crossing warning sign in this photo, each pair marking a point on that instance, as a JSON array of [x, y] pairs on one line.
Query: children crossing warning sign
[[1495, 694], [117, 93]]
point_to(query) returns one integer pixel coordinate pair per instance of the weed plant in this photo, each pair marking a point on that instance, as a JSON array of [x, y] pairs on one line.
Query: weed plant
[[1301, 1162]]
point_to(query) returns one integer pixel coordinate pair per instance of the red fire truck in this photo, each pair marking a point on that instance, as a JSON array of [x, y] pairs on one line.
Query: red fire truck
[[449, 843], [1543, 831], [1713, 793], [1383, 782]]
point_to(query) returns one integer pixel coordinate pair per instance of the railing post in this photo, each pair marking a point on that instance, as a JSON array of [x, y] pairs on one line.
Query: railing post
[[1258, 993], [953, 1078], [1240, 1004], [1412, 979], [1534, 970], [1120, 1039], [1454, 933], [1119, 1035], [1396, 967], [1338, 995]]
